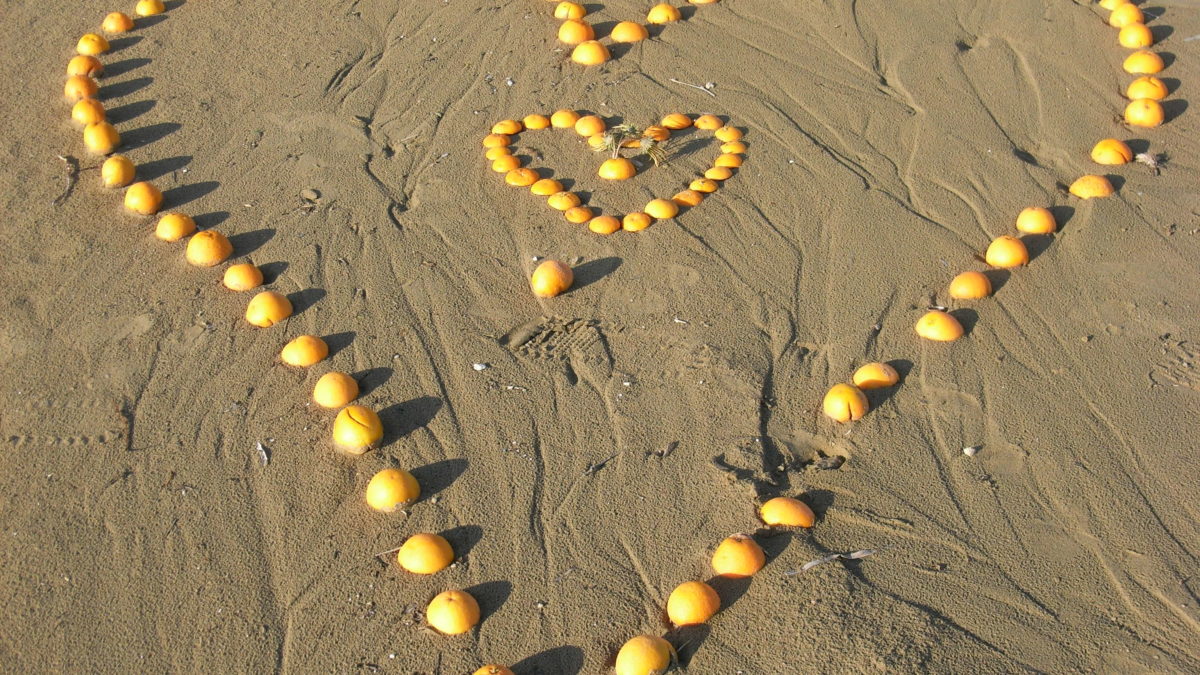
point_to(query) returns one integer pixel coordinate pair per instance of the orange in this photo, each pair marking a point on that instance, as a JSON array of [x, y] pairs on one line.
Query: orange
[[636, 222], [551, 278], [875, 376], [425, 553], [267, 308], [505, 164], [589, 125], [1125, 15], [590, 53], [1091, 187], [91, 44], [304, 351], [676, 120], [1144, 112], [564, 119], [546, 187], [176, 226], [1143, 63], [617, 168], [1112, 152], [1147, 86], [970, 285], [149, 7], [1112, 4], [561, 201], [728, 160], [101, 137], [661, 209], [117, 171], [718, 173], [116, 22], [691, 603], [1006, 251], [497, 152], [604, 224], [688, 198], [496, 140], [521, 177], [578, 214], [569, 10], [709, 122], [1135, 36], [728, 134], [738, 557], [85, 64], [629, 31], [845, 403], [733, 148], [452, 612], [658, 133], [939, 326], [574, 31], [143, 198], [205, 249], [356, 429], [786, 512], [703, 185], [1038, 219], [597, 142], [335, 390], [390, 490], [644, 655], [88, 111], [663, 13], [507, 127], [492, 669], [536, 121], [242, 277]]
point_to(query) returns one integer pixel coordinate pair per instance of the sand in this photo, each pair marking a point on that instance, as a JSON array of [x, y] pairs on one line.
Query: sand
[[623, 429]]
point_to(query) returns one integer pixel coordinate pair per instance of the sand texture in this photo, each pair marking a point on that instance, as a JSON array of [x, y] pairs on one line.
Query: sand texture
[[621, 430]]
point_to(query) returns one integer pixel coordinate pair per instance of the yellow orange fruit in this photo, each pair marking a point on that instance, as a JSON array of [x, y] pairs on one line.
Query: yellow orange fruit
[[733, 148], [737, 557], [1125, 15], [356, 429], [786, 512], [425, 553], [497, 152], [493, 669], [304, 351], [1146, 86], [875, 376], [561, 201], [569, 10], [496, 140], [101, 137], [718, 173], [692, 603], [709, 122], [704, 185], [636, 221], [521, 177], [1112, 4], [578, 214], [564, 119], [267, 308], [390, 490], [335, 390], [845, 403], [1135, 36], [589, 125], [1091, 187], [616, 168], [728, 134], [574, 31], [661, 209], [1039, 219], [546, 187], [505, 164], [91, 44], [629, 31], [242, 277], [1143, 62], [507, 127], [676, 121], [604, 224], [1006, 251], [590, 53], [117, 171], [1110, 151], [657, 132], [149, 7], [939, 326], [550, 278], [85, 64], [663, 13], [176, 226], [117, 22], [452, 612], [644, 655], [597, 142], [143, 198], [970, 285], [1144, 112], [688, 198], [728, 160], [88, 111], [535, 121]]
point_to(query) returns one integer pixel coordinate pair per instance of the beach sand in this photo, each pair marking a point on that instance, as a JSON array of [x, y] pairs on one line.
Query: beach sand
[[619, 431]]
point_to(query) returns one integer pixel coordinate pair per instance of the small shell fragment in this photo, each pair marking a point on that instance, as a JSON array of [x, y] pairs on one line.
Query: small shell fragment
[[971, 450], [480, 366]]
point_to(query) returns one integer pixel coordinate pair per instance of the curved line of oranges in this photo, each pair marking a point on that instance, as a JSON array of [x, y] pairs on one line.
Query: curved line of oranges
[[576, 32]]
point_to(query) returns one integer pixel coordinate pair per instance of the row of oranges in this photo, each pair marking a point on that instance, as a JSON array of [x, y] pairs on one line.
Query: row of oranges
[[576, 32]]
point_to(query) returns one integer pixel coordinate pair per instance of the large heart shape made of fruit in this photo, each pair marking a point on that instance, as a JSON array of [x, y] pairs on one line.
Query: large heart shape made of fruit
[[653, 142]]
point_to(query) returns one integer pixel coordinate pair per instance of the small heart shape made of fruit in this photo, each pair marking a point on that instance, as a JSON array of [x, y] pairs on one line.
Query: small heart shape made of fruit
[[652, 143], [576, 32]]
